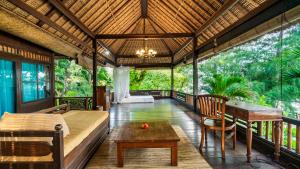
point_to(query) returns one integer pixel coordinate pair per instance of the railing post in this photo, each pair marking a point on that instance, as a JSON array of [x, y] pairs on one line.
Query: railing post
[[58, 147], [195, 73], [298, 139], [289, 136], [259, 128], [94, 74]]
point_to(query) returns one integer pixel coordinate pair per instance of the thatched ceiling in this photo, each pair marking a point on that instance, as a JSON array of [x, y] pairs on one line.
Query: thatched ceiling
[[78, 21]]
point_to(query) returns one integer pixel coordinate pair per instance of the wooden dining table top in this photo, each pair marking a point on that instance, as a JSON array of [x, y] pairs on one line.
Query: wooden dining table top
[[158, 131], [253, 112]]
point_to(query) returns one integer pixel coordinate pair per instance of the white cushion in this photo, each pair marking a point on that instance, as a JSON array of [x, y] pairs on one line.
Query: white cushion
[[33, 122]]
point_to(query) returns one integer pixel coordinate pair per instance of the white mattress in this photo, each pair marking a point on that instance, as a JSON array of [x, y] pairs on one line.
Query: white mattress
[[138, 99]]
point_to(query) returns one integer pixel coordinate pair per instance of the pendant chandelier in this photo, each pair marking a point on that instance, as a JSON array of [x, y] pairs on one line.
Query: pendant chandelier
[[145, 52]]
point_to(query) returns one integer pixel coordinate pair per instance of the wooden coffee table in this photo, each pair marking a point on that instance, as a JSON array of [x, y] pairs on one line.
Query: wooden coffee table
[[158, 135]]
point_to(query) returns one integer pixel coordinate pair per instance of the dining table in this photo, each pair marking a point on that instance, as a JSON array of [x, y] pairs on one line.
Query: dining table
[[251, 113]]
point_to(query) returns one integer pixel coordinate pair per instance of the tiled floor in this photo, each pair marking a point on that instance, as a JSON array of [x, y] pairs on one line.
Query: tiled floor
[[167, 109]]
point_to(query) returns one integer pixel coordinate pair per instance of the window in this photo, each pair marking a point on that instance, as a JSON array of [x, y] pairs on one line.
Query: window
[[35, 82]]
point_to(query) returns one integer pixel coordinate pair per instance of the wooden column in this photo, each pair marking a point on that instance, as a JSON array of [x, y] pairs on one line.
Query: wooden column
[[195, 73], [94, 74]]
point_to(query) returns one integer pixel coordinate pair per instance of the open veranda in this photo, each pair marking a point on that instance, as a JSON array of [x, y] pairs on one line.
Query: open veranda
[[185, 84]]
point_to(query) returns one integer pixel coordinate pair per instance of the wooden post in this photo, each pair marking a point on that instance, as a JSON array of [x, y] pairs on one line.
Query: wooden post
[[172, 81], [195, 73], [94, 74], [172, 77], [58, 147]]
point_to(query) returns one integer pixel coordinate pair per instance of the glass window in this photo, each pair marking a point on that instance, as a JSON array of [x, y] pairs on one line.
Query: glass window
[[29, 82], [35, 82]]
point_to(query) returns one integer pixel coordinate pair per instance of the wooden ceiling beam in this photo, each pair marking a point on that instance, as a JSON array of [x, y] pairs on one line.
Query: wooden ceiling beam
[[155, 65], [144, 36], [67, 13], [135, 56], [144, 8], [226, 6]]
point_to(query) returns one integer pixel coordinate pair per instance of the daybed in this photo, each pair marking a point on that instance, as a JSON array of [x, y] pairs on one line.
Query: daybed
[[49, 148], [138, 99]]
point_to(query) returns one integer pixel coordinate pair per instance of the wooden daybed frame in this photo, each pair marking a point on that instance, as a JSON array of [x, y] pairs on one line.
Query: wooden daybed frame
[[76, 159]]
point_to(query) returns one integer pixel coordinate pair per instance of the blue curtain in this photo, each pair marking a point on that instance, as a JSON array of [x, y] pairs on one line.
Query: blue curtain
[[29, 82], [7, 87]]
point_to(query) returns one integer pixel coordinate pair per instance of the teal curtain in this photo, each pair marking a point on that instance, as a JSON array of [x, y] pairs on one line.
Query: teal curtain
[[29, 82], [7, 87]]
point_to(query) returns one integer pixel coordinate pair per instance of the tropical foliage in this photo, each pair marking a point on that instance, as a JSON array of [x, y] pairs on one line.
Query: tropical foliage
[[267, 68], [230, 86], [72, 80]]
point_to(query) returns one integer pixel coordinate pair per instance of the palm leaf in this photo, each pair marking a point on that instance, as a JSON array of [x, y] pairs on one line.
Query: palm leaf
[[292, 74]]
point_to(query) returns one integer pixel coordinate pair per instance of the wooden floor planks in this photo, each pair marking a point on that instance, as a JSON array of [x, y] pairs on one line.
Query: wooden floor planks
[[176, 114]]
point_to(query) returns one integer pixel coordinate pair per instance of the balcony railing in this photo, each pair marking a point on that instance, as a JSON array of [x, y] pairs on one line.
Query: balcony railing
[[76, 103], [289, 137]]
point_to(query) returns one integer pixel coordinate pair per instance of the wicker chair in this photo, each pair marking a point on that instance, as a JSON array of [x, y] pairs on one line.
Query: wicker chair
[[212, 117]]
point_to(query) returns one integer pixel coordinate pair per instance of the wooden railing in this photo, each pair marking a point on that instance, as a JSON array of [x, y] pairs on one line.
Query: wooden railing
[[155, 93], [184, 97], [290, 135], [76, 103]]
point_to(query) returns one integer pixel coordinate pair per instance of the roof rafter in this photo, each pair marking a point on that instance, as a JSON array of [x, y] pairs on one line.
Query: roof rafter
[[117, 12], [183, 19], [127, 29], [59, 6], [227, 5], [49, 14], [22, 5], [67, 13], [143, 36], [161, 28], [265, 12], [163, 40], [125, 42]]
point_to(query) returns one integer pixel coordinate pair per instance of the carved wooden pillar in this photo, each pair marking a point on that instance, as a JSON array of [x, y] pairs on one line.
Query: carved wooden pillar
[[94, 74]]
